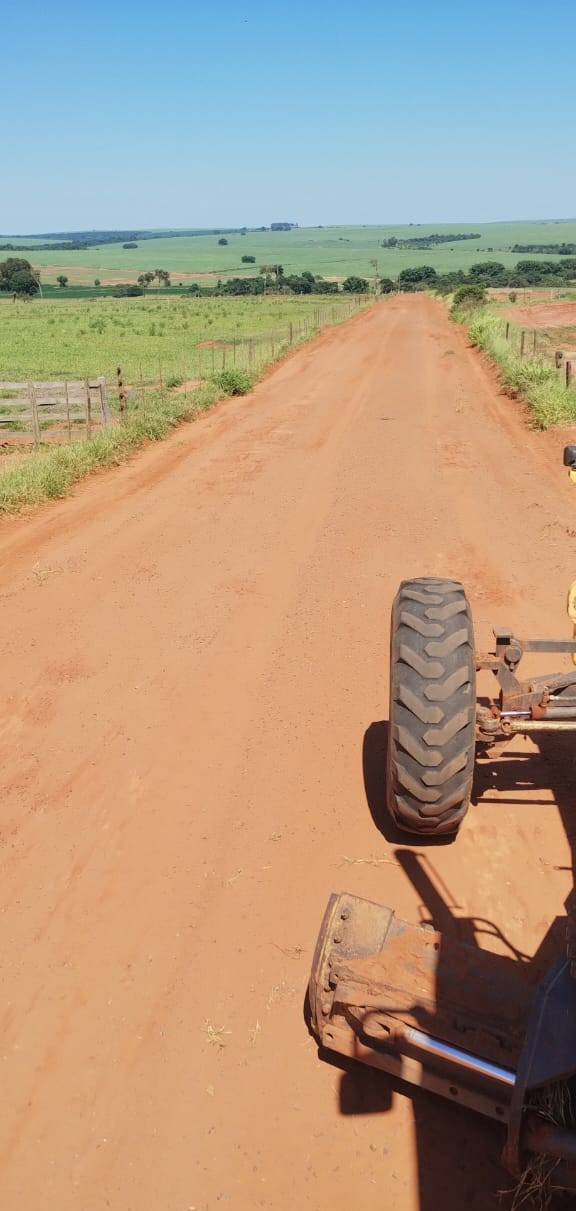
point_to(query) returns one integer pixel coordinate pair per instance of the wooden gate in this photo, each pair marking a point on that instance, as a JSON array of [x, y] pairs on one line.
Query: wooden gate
[[59, 411]]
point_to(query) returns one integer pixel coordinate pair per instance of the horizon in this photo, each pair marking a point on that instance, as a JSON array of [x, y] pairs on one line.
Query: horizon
[[255, 228]]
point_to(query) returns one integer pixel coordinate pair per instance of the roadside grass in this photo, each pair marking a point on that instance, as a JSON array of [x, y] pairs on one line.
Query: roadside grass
[[50, 474], [32, 475], [532, 379]]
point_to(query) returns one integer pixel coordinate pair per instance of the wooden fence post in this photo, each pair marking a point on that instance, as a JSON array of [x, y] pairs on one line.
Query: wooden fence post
[[68, 412], [507, 331], [569, 372], [34, 410], [534, 341], [122, 401], [522, 340], [88, 409], [103, 401]]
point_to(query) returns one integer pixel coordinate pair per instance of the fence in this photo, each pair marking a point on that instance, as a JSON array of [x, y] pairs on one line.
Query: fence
[[240, 352], [538, 343], [54, 411], [37, 412]]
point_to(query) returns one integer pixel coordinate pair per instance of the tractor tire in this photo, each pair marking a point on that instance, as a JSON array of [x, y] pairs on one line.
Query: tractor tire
[[431, 737]]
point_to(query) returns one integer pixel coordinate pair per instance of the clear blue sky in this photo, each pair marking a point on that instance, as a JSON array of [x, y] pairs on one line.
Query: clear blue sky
[[244, 111]]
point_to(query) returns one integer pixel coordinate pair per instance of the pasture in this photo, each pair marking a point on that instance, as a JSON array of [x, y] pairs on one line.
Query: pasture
[[154, 338], [334, 252]]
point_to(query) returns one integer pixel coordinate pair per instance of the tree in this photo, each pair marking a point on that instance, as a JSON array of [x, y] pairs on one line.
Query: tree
[[17, 276], [145, 279], [491, 272], [96, 281], [163, 276], [62, 280], [355, 285], [223, 241], [417, 279], [386, 286], [249, 260]]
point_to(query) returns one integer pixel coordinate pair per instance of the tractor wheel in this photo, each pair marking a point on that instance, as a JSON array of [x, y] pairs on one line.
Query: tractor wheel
[[431, 738]]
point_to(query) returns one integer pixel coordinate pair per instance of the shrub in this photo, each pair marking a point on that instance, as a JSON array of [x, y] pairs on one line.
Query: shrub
[[234, 382], [222, 241], [130, 291], [355, 285], [249, 260], [175, 380], [512, 296], [96, 281], [466, 298]]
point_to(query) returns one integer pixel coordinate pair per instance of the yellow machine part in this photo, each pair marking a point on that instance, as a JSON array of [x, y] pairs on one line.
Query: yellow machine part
[[571, 607]]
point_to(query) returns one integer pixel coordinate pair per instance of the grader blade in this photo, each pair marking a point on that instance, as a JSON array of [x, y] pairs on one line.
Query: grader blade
[[423, 1007]]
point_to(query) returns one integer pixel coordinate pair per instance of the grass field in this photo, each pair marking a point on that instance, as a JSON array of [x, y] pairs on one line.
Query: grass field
[[334, 252], [152, 338]]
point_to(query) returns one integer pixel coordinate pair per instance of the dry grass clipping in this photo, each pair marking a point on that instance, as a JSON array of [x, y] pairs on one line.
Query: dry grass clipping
[[535, 1186]]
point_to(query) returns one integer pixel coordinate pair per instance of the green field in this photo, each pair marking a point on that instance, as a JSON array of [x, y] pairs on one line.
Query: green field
[[153, 338], [333, 252]]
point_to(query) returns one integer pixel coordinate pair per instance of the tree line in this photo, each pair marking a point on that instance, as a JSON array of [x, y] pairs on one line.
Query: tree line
[[18, 277], [557, 249], [429, 241], [485, 273]]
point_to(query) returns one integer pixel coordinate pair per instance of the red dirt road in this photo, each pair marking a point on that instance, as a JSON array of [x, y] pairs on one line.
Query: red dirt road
[[194, 656]]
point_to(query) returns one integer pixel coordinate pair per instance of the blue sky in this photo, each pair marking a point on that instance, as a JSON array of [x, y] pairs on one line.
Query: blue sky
[[180, 114]]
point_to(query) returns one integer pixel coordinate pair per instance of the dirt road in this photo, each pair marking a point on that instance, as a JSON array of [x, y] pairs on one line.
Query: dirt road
[[194, 694]]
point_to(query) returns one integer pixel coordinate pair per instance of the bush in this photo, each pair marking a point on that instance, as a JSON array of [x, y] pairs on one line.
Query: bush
[[512, 296], [96, 281], [175, 380], [418, 278], [128, 292], [130, 244], [466, 298], [222, 241], [355, 285], [248, 260], [386, 286], [234, 382]]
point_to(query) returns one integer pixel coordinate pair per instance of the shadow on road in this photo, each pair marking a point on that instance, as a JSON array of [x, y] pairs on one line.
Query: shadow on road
[[458, 1152]]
